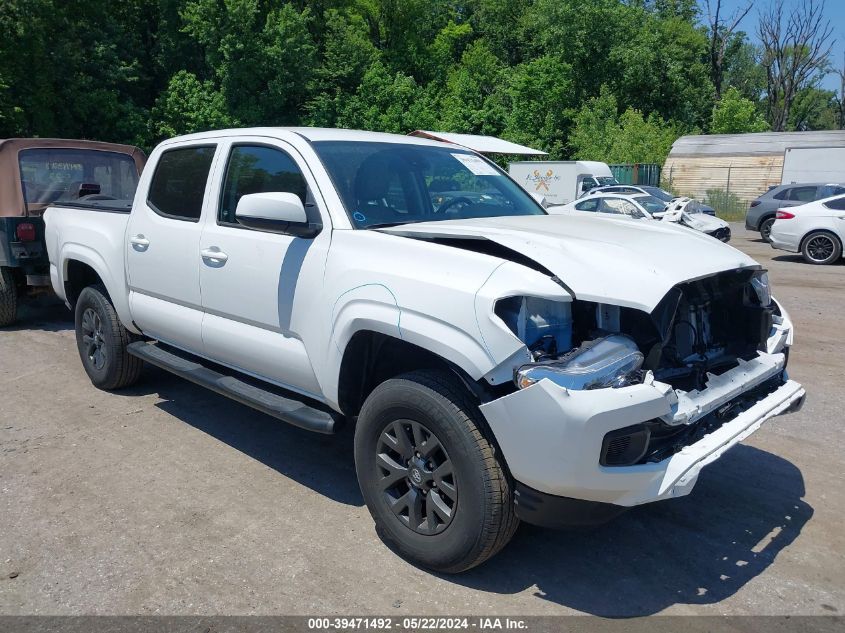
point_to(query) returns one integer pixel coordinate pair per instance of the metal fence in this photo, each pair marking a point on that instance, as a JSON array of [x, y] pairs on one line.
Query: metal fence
[[727, 188], [636, 173]]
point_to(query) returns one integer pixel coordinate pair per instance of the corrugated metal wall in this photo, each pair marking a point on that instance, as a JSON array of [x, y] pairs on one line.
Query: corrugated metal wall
[[727, 183]]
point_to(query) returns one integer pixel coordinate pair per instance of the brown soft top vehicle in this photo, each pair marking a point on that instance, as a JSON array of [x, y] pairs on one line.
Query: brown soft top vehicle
[[38, 172]]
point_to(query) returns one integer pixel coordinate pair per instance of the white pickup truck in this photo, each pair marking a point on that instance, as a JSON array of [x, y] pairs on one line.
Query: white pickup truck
[[499, 363]]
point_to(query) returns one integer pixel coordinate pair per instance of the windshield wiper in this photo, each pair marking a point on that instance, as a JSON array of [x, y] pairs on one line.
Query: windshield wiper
[[387, 225]]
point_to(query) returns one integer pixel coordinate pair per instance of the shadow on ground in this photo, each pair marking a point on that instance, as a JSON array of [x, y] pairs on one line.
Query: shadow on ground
[[700, 549], [320, 462], [798, 259], [44, 313]]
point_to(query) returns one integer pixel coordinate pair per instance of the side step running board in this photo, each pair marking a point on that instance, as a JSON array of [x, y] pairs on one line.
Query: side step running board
[[291, 411]]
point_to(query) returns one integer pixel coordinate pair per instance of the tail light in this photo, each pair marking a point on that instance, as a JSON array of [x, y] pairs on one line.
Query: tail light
[[754, 203], [784, 215], [25, 232]]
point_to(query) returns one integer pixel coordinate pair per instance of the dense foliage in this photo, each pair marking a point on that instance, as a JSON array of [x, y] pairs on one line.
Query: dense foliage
[[608, 79]]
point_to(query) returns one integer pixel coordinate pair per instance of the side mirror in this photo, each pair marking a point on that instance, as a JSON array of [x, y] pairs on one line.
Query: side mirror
[[659, 214], [276, 211]]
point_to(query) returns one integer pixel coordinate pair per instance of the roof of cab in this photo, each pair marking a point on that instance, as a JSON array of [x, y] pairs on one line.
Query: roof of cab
[[313, 134]]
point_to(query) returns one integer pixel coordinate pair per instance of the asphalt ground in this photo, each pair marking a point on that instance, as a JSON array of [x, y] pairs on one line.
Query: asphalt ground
[[169, 499]]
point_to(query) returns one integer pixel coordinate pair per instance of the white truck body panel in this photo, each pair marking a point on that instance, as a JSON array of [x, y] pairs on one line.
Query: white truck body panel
[[813, 164], [559, 182], [284, 308], [626, 274]]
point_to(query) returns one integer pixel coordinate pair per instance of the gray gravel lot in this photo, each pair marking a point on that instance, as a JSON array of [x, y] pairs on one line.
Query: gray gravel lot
[[170, 499]]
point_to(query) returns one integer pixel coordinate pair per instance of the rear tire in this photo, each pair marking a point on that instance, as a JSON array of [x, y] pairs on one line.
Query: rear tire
[[102, 341], [433, 481], [820, 248], [766, 229], [8, 297]]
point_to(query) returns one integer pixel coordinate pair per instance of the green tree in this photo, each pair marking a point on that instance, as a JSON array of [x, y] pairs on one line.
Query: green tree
[[474, 99], [189, 105], [735, 114], [813, 109], [387, 102], [541, 107], [346, 55], [602, 134]]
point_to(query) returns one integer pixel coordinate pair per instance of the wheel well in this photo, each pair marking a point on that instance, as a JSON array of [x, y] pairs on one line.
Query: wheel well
[[828, 232], [370, 358], [763, 218], [79, 277]]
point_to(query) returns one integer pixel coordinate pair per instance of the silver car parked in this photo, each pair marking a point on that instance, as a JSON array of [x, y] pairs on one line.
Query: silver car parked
[[761, 214]]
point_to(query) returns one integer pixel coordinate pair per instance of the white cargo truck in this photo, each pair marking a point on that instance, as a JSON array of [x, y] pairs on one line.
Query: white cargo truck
[[561, 182], [813, 164]]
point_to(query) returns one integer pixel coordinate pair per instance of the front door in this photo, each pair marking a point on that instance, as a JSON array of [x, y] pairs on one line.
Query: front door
[[163, 258], [259, 288]]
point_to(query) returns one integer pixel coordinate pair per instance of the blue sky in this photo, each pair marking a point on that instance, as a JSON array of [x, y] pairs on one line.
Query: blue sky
[[834, 11]]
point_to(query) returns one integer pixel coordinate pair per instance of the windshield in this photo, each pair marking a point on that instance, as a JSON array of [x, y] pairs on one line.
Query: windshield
[[657, 192], [651, 204], [65, 175], [606, 180], [392, 183]]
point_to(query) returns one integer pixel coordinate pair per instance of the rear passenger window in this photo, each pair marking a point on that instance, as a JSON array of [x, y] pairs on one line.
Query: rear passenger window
[[178, 184], [258, 169], [837, 205], [803, 194], [590, 204]]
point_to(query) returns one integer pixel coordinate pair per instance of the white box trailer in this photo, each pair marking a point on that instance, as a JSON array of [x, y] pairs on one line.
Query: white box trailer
[[813, 164], [560, 182]]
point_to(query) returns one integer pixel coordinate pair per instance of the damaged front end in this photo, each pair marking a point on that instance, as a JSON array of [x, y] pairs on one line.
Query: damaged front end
[[633, 404]]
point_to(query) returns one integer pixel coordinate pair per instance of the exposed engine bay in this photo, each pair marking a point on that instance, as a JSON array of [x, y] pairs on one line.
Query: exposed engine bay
[[700, 327], [700, 330]]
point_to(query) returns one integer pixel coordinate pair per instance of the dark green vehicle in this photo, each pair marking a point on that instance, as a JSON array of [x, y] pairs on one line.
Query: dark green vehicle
[[38, 172]]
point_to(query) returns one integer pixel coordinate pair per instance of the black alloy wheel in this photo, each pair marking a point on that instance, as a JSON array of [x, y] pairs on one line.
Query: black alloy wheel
[[418, 481]]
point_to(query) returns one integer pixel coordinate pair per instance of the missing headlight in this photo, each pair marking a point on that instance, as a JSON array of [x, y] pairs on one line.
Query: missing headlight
[[544, 326]]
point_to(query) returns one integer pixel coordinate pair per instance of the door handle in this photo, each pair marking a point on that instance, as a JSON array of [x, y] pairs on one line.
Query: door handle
[[214, 254], [139, 240]]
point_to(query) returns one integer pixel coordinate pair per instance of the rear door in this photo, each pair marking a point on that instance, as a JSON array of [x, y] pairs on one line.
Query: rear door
[[259, 288], [793, 196], [162, 250]]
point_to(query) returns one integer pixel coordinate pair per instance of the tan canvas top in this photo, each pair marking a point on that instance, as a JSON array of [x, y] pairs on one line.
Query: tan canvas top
[[11, 196]]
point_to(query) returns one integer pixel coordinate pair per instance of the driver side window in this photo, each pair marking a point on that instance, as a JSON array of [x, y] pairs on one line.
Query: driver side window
[[258, 169]]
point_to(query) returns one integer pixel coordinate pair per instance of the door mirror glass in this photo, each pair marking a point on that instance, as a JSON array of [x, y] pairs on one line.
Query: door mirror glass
[[281, 212]]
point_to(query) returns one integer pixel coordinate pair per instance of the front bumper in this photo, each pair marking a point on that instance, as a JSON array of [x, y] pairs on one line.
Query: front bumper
[[551, 437], [722, 234]]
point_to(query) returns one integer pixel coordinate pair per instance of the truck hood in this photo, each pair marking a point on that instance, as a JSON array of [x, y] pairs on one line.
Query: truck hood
[[632, 264]]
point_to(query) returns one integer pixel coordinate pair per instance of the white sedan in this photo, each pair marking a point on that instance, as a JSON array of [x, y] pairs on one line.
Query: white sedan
[[644, 207], [816, 230]]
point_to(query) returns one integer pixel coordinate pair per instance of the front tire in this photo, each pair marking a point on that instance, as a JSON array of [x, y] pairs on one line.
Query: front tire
[[821, 247], [433, 481], [8, 297], [766, 229], [102, 342]]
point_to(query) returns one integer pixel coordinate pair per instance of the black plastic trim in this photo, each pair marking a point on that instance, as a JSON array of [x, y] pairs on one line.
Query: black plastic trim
[[551, 511], [259, 398]]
